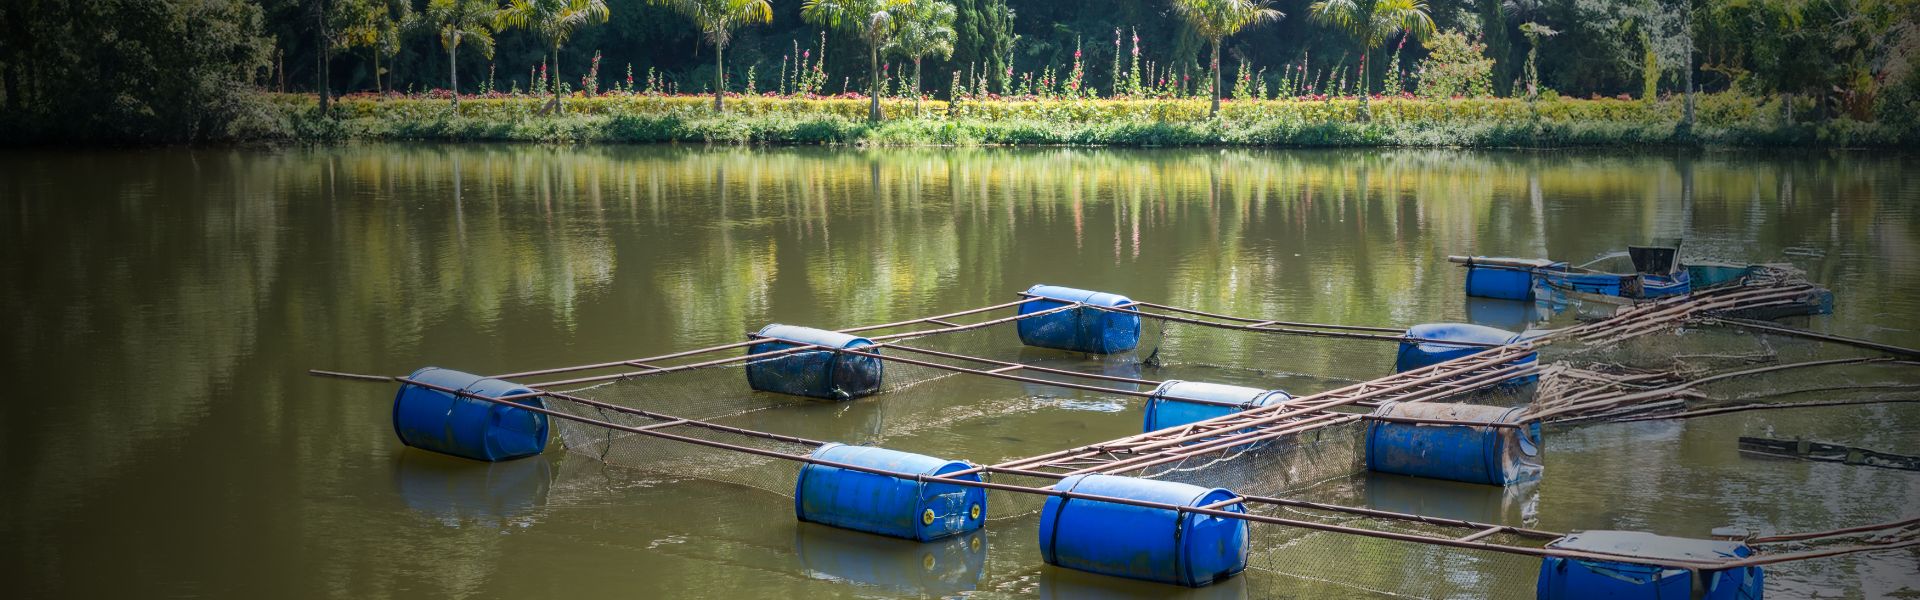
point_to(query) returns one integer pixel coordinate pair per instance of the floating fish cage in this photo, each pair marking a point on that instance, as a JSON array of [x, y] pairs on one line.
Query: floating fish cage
[[1185, 502]]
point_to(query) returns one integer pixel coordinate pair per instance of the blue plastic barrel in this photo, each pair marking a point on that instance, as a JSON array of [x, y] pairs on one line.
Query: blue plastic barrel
[[1137, 542], [1473, 454], [1088, 330], [817, 373], [1583, 579], [1506, 278], [1414, 355], [1172, 404], [467, 427], [884, 504]]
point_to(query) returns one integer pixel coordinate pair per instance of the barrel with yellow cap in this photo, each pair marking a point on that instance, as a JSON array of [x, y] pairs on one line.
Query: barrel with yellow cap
[[888, 505]]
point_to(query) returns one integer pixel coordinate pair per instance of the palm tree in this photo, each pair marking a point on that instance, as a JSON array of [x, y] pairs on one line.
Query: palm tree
[[1374, 21], [717, 20], [1217, 19], [925, 28], [375, 24], [873, 20], [458, 21], [554, 21]]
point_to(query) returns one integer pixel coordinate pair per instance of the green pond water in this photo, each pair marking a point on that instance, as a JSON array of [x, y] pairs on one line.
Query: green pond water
[[160, 309]]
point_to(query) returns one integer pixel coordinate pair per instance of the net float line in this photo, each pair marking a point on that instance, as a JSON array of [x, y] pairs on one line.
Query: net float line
[[947, 326], [1221, 433], [663, 422], [1472, 541]]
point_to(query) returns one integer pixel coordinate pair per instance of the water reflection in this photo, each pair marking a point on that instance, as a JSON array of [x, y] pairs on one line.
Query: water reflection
[[1517, 504], [941, 568], [465, 493]]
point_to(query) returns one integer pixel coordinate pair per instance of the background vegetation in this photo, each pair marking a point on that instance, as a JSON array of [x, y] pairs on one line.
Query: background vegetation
[[184, 70]]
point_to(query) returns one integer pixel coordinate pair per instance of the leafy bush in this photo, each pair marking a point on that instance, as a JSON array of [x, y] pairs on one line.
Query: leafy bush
[[1455, 67]]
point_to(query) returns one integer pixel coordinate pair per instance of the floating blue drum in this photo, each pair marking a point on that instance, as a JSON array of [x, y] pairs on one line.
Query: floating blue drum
[[1469, 453], [1088, 330], [467, 427], [1177, 403], [884, 504], [1583, 579], [817, 373], [1138, 542], [1414, 355], [1506, 278]]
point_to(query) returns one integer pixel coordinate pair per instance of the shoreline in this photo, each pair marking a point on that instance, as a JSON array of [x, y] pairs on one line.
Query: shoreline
[[1724, 121]]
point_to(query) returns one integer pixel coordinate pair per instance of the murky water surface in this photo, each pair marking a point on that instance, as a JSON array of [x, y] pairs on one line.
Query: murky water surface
[[161, 308]]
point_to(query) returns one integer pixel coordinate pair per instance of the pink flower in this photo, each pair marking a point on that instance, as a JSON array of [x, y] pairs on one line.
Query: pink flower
[[805, 54], [1076, 54]]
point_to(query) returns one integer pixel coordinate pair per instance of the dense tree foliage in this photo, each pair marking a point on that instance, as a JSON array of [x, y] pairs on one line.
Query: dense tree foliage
[[182, 69]]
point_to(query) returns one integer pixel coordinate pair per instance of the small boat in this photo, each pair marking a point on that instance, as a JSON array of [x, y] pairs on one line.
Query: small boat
[[1713, 273]]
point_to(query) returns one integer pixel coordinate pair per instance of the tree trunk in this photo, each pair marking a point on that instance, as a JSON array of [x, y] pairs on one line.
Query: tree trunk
[[1366, 92], [1216, 79], [873, 82], [916, 86], [320, 57], [558, 109], [453, 73], [719, 78], [1786, 107], [377, 88], [1686, 21]]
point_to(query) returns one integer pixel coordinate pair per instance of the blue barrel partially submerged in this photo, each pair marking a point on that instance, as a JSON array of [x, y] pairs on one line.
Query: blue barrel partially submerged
[[1469, 453], [816, 373], [1584, 579], [885, 504], [1174, 403], [1137, 542], [1089, 330], [1413, 355], [468, 427]]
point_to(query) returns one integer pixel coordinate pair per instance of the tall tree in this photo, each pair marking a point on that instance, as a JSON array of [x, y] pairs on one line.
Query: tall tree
[[375, 25], [1217, 19], [1493, 22], [984, 38], [873, 20], [461, 21], [554, 21], [1374, 22], [717, 19], [925, 29]]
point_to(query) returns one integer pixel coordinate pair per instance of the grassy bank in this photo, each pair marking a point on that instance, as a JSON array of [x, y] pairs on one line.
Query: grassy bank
[[1723, 120]]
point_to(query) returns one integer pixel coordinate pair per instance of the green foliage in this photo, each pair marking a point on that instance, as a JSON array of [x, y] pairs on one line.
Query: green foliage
[[133, 71], [1455, 66], [1725, 119]]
